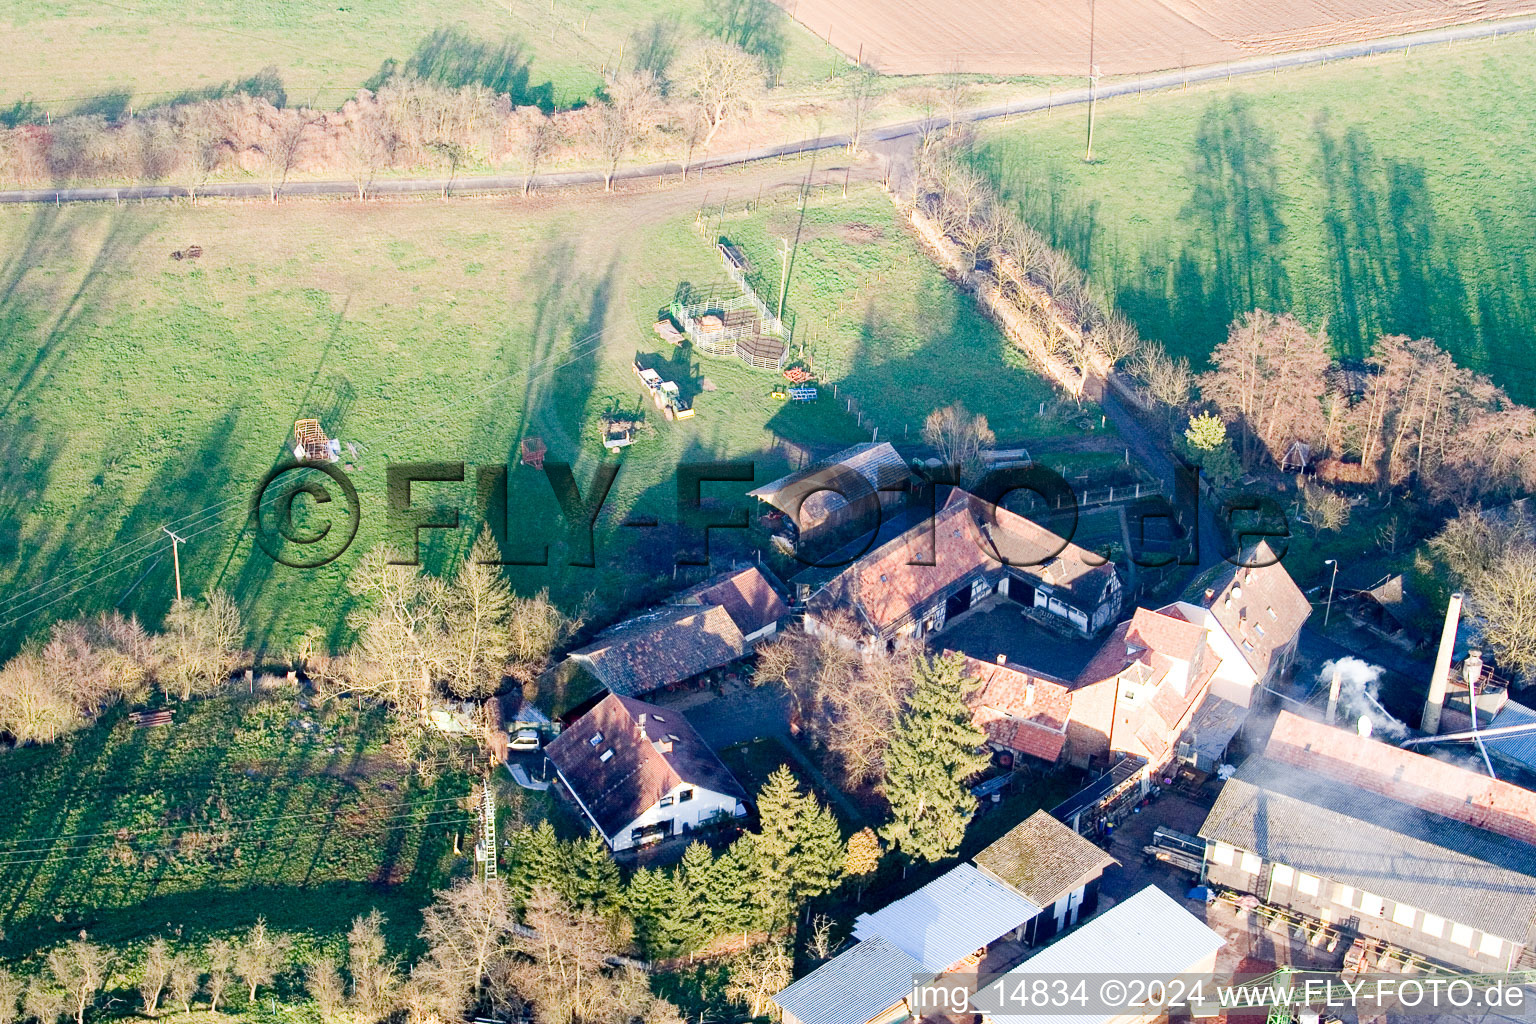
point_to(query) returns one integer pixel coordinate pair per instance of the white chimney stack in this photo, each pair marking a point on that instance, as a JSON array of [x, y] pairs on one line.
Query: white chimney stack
[[1430, 723]]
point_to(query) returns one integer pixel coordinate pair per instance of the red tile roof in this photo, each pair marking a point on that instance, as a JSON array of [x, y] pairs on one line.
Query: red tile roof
[[906, 573], [1166, 632], [1026, 545], [1261, 609], [651, 751], [1018, 709], [746, 594], [1402, 775]]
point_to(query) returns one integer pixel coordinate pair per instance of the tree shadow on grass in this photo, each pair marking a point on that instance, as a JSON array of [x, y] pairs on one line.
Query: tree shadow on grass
[[454, 58]]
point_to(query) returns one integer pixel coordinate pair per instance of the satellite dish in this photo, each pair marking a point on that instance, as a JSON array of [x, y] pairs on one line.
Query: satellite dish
[[1363, 727]]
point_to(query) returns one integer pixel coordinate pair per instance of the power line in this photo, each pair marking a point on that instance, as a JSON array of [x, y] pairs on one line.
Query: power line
[[235, 821], [77, 855], [580, 350]]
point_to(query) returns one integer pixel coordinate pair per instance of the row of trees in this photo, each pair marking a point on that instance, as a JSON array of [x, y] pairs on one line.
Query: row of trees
[[87, 665], [1074, 321], [1413, 415], [170, 975], [409, 121]]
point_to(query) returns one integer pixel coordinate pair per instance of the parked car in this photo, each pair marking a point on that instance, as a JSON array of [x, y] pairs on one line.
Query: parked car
[[525, 739]]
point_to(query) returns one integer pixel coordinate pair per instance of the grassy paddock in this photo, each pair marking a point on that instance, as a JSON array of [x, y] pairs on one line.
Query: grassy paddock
[[244, 807], [139, 390], [103, 58], [1383, 194]]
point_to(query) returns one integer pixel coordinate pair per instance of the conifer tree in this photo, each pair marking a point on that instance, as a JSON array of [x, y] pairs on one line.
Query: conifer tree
[[648, 901], [535, 857], [799, 847], [591, 879], [934, 750]]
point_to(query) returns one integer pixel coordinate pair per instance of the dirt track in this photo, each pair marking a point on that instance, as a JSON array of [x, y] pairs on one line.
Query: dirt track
[[1050, 37]]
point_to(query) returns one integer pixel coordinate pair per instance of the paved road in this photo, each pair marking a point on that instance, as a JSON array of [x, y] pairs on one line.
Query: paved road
[[902, 131]]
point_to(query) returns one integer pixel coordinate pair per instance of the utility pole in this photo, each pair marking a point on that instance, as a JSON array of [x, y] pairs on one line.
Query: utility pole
[[1093, 85], [783, 274], [176, 543]]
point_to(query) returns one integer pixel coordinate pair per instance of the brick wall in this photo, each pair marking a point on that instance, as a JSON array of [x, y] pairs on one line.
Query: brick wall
[[1406, 777]]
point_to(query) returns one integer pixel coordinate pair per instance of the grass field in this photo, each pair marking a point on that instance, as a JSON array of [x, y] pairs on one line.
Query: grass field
[[244, 807], [1391, 194], [138, 391], [67, 57]]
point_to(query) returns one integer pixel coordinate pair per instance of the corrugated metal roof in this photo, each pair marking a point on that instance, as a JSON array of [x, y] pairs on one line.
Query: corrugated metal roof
[[1148, 933], [1520, 746], [949, 918], [1338, 830], [854, 987]]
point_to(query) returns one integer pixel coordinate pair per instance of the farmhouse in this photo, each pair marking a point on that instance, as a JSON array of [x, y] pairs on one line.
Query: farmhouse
[[703, 628], [1261, 611], [640, 773], [912, 585], [838, 491], [1167, 683], [1406, 851], [1147, 935], [1059, 580]]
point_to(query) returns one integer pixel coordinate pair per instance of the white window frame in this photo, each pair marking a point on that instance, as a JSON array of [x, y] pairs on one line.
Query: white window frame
[[1344, 894], [1252, 862], [1404, 915], [1308, 885], [1433, 924], [1490, 945], [1461, 935], [1372, 904], [1223, 853], [1282, 875]]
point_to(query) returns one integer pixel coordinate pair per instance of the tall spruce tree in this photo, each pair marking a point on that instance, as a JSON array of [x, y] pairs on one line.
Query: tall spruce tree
[[592, 880], [798, 849], [934, 750], [535, 857]]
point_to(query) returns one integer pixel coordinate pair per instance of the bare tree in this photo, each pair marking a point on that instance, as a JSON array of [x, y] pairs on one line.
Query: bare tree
[[261, 956], [477, 607], [155, 974], [375, 974], [758, 975], [323, 983], [367, 148], [861, 94], [1166, 379], [467, 930], [959, 438], [221, 968], [32, 708], [955, 90], [723, 79], [539, 137], [11, 991], [624, 118], [200, 646], [283, 151], [1269, 380], [536, 627], [80, 969], [185, 979], [43, 1003], [400, 650]]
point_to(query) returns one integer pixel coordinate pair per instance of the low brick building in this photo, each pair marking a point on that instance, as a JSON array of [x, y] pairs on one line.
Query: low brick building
[[1382, 843]]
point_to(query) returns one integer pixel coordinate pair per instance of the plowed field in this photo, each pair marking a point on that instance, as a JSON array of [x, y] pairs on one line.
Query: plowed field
[[1050, 37]]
